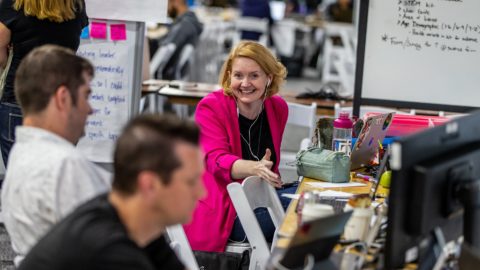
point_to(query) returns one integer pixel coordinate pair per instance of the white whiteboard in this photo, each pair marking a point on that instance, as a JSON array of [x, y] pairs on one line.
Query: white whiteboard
[[420, 52], [115, 88]]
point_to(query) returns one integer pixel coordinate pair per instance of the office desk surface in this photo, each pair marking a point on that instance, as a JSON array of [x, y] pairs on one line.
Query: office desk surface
[[289, 225], [189, 93]]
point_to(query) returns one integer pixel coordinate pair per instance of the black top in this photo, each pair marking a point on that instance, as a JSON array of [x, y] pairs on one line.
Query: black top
[[260, 137], [93, 237], [30, 32]]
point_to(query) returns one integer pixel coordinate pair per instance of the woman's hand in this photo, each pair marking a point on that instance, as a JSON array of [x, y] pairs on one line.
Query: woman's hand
[[263, 168]]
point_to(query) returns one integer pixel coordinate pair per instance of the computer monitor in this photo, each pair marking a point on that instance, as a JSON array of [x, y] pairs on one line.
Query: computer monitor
[[434, 188]]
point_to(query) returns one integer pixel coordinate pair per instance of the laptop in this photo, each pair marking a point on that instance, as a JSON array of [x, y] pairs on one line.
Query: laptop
[[313, 242], [373, 131]]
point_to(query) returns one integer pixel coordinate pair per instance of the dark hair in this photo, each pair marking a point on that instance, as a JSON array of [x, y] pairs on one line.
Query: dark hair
[[43, 71], [148, 143]]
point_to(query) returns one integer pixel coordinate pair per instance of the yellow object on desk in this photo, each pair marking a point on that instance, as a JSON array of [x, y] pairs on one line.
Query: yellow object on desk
[[385, 179]]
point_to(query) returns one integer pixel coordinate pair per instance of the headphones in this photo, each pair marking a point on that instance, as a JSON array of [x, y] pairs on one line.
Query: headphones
[[248, 142]]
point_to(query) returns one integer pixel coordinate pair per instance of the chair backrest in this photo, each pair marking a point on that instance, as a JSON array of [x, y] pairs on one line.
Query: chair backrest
[[181, 246], [253, 193], [300, 125], [253, 24], [160, 60], [185, 58]]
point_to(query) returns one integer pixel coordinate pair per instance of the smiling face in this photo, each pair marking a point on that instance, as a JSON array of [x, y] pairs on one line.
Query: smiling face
[[248, 81]]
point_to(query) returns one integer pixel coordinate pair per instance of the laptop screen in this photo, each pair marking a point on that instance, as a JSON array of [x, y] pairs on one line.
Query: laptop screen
[[316, 239], [366, 146]]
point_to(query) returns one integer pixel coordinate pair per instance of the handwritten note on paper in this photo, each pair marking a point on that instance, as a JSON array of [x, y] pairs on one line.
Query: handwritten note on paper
[[110, 98], [85, 33], [98, 30], [118, 32]]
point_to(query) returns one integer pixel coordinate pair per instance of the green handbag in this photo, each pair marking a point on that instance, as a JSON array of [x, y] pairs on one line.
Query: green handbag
[[322, 164]]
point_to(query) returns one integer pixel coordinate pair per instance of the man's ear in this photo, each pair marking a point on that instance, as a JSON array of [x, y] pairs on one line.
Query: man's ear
[[62, 98], [147, 183]]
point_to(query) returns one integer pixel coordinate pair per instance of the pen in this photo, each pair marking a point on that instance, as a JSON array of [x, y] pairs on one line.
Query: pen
[[362, 176], [380, 145]]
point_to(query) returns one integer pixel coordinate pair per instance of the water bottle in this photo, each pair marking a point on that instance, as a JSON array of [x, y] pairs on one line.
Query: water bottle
[[342, 133]]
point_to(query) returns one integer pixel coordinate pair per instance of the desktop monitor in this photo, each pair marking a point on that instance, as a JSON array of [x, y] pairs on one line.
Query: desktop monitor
[[434, 192]]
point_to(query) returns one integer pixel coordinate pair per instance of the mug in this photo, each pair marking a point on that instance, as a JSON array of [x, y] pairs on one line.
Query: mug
[[359, 224]]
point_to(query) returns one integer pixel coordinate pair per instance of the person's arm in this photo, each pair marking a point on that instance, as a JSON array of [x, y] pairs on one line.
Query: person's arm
[[214, 138], [4, 41], [263, 168]]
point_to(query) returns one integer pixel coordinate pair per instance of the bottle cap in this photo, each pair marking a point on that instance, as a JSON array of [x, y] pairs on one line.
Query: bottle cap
[[343, 121]]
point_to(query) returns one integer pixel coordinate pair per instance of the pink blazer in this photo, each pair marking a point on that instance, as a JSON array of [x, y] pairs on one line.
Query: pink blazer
[[217, 117]]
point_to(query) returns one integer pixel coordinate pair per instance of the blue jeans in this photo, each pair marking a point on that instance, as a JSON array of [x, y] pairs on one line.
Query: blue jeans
[[10, 117], [263, 218]]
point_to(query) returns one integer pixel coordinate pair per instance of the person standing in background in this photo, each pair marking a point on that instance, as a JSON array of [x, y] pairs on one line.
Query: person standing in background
[[255, 8], [186, 29], [25, 25]]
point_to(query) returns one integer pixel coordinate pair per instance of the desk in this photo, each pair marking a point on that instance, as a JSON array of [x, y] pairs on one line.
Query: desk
[[289, 225], [187, 93]]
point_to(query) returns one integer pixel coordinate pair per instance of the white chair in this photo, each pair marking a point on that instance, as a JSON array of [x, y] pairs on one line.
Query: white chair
[[300, 126], [338, 64], [253, 193], [160, 60], [259, 25], [184, 62], [179, 243], [157, 64]]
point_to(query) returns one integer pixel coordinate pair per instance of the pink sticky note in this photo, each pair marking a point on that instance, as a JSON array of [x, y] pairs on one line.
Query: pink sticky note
[[118, 32], [98, 30]]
